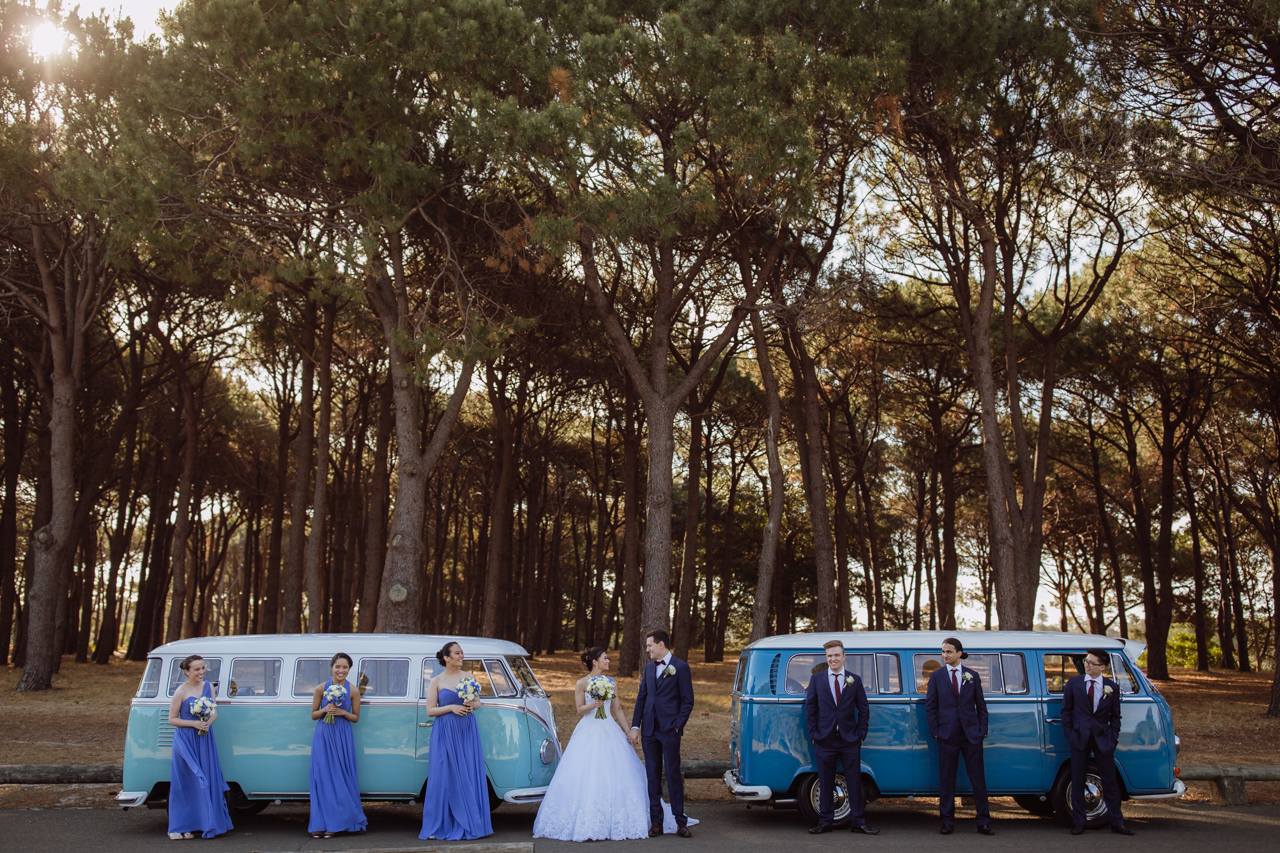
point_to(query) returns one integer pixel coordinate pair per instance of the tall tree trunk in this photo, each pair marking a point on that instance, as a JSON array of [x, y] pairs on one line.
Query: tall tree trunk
[[683, 633], [503, 502], [302, 467], [398, 601], [777, 495], [630, 651], [16, 414], [1197, 567], [376, 520], [313, 571]]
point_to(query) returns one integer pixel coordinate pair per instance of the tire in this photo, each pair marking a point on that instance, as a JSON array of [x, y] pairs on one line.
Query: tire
[[249, 808], [1095, 808], [807, 799], [1037, 804]]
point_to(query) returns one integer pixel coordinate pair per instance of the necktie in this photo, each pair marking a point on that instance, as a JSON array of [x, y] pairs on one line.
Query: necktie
[[837, 677], [1091, 705], [954, 682]]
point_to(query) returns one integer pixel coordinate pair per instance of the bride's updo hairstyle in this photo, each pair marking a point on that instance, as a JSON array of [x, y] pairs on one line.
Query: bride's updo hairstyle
[[591, 655], [190, 659], [444, 653]]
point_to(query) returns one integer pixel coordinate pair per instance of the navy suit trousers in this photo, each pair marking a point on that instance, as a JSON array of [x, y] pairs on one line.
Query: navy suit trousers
[[1106, 762], [664, 749], [825, 758], [948, 763]]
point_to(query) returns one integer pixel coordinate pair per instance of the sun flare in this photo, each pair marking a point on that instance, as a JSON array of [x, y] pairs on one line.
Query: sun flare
[[48, 40]]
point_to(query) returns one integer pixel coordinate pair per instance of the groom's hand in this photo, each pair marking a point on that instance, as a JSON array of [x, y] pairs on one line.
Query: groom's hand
[[633, 737]]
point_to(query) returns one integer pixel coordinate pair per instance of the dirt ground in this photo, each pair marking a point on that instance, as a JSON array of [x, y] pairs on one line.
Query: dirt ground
[[1219, 717]]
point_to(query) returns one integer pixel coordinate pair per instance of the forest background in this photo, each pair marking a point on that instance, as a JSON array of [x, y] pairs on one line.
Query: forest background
[[558, 321]]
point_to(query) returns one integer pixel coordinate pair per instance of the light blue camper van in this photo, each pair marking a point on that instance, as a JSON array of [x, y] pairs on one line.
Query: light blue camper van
[[1026, 752], [264, 687]]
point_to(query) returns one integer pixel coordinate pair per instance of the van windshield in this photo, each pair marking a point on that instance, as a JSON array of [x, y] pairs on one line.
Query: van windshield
[[524, 674]]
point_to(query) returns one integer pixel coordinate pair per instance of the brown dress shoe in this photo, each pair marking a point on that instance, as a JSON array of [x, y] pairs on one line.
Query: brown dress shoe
[[683, 832], [655, 830]]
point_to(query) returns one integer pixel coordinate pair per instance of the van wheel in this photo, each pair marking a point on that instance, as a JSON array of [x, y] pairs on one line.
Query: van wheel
[[1095, 808], [1035, 803], [807, 801], [250, 807]]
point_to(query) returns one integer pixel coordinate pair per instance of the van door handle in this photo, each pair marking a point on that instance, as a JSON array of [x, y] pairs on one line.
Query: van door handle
[[1053, 720], [424, 725]]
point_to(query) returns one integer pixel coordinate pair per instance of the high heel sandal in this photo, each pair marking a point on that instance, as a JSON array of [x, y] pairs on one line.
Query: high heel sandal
[[180, 836]]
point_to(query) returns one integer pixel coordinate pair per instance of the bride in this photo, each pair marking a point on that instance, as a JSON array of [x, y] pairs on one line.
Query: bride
[[599, 792]]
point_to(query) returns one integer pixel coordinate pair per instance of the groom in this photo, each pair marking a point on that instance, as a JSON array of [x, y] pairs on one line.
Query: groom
[[663, 706]]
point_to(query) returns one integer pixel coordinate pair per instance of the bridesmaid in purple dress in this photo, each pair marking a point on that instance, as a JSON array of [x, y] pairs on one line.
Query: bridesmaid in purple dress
[[197, 791], [456, 804], [335, 786]]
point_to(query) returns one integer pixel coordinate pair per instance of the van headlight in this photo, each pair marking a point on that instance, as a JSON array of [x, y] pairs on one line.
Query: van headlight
[[548, 751]]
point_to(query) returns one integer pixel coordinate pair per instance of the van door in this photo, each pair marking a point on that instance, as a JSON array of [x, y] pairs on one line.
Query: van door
[[1059, 667], [385, 738], [430, 668]]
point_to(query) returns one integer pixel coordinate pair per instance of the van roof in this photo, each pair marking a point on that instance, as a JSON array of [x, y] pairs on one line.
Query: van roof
[[974, 641], [328, 644]]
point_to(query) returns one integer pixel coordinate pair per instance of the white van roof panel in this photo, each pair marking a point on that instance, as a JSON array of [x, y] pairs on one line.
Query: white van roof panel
[[329, 644], [977, 641]]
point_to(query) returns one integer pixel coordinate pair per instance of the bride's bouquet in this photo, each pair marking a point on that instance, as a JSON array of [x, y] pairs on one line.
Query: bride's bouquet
[[603, 689], [332, 695], [203, 709], [468, 689]]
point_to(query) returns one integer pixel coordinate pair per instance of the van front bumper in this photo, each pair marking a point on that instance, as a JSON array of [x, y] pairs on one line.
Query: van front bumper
[[750, 793], [131, 799], [1179, 788], [525, 795]]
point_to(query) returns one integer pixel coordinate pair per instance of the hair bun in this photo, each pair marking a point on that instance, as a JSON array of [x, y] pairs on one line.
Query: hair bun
[[444, 652], [591, 655]]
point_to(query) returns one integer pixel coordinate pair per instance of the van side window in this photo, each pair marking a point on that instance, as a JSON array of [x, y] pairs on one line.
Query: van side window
[[800, 668], [740, 675], [1015, 672], [1058, 667], [890, 671], [986, 665], [308, 674], [384, 678], [255, 677], [475, 669], [430, 669], [212, 671], [150, 686], [502, 684], [1123, 675]]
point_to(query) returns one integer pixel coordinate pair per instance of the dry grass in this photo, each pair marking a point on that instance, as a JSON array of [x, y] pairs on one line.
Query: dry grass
[[82, 720]]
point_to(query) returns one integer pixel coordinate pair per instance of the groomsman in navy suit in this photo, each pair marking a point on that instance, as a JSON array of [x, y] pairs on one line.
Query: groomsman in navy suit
[[957, 716], [836, 715], [663, 706], [1091, 722]]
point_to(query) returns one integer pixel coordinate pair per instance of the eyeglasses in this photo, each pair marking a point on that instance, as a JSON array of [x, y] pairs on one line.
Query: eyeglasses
[[1088, 662]]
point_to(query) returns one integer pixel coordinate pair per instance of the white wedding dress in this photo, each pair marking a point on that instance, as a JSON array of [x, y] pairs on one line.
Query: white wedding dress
[[599, 792]]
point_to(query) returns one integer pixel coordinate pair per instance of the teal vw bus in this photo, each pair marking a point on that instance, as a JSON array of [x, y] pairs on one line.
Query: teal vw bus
[[1026, 752], [263, 685]]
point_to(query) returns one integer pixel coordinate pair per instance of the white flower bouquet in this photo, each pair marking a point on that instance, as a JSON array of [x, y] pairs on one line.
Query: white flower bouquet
[[203, 709], [468, 689], [603, 689], [332, 695]]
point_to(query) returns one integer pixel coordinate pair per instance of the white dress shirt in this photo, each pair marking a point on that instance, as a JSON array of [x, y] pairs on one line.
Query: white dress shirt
[[836, 676]]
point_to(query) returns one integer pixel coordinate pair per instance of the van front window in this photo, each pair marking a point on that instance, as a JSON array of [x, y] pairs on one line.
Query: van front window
[[150, 686], [524, 674]]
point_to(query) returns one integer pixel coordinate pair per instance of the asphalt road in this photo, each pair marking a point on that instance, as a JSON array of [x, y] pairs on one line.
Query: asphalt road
[[725, 828]]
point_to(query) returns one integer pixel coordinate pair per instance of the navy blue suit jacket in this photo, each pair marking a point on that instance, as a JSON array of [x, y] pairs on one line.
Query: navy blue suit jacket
[[663, 704], [956, 718], [832, 725], [1079, 720]]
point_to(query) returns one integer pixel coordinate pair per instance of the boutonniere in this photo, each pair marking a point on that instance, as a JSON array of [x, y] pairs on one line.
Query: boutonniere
[[848, 681], [670, 670], [1106, 691], [968, 676]]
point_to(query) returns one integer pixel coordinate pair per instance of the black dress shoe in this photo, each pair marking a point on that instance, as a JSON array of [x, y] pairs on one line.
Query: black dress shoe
[[865, 830], [820, 828], [986, 829], [1077, 830], [655, 830], [947, 829], [1122, 830], [683, 832]]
